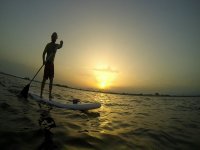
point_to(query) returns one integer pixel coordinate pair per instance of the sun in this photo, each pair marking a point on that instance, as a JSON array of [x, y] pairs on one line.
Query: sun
[[102, 85], [104, 78]]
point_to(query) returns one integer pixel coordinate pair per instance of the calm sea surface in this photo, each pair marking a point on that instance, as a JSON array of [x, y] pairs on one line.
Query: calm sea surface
[[122, 123]]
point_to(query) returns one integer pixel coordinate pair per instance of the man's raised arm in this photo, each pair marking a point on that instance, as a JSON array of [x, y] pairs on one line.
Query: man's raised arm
[[60, 45]]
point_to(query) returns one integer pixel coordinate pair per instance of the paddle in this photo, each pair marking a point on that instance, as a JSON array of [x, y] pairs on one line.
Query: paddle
[[24, 92]]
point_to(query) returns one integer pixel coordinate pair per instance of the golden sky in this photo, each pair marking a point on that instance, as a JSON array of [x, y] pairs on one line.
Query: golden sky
[[126, 46]]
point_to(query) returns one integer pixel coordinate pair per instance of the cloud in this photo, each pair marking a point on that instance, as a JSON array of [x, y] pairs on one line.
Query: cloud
[[108, 70]]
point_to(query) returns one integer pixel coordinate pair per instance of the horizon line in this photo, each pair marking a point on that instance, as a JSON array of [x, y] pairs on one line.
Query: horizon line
[[156, 94]]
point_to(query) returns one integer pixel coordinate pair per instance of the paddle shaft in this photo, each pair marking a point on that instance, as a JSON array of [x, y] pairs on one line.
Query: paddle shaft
[[36, 74]]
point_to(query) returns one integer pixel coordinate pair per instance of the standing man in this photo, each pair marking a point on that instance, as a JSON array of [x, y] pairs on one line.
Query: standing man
[[50, 50]]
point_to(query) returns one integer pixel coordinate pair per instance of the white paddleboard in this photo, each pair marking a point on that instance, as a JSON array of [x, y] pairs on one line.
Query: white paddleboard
[[78, 106]]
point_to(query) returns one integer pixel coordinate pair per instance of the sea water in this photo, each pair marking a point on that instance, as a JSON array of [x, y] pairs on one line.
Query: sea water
[[122, 123]]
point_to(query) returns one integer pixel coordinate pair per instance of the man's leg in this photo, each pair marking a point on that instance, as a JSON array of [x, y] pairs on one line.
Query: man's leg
[[50, 88], [42, 87]]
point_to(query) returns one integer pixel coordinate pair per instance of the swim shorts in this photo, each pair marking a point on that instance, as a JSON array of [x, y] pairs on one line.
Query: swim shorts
[[49, 71]]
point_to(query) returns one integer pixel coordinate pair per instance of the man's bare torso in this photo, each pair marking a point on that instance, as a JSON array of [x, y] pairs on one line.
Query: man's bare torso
[[51, 49]]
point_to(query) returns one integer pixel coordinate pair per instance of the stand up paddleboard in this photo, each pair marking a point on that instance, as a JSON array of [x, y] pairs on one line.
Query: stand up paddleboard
[[78, 106]]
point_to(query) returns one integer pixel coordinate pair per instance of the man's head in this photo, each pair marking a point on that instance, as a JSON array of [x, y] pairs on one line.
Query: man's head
[[54, 37]]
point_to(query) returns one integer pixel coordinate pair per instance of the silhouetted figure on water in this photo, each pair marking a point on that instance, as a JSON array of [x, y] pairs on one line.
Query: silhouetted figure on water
[[50, 50]]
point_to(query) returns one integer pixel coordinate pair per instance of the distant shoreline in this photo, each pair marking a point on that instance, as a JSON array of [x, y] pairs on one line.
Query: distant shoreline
[[106, 92]]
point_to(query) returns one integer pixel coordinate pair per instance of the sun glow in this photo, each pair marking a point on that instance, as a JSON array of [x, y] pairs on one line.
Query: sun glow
[[102, 85], [104, 78]]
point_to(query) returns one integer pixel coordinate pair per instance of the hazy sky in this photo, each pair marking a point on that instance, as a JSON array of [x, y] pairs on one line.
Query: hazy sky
[[138, 46]]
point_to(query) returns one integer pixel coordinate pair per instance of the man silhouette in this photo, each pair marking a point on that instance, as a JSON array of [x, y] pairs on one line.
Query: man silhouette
[[50, 50]]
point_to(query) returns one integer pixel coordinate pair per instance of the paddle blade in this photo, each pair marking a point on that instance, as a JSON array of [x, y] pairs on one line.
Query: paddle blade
[[24, 92]]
